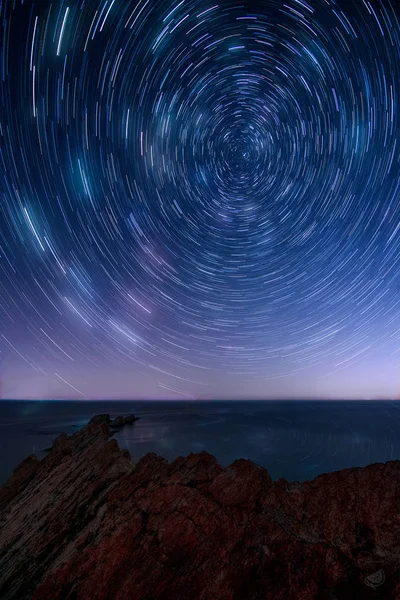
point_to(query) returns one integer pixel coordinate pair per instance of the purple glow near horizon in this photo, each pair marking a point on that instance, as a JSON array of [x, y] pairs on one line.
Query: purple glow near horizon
[[200, 200]]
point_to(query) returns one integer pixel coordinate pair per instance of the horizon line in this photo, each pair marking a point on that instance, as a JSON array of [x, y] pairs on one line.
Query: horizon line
[[248, 399]]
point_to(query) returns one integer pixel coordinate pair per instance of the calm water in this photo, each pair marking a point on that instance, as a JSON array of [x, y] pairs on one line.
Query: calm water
[[293, 439]]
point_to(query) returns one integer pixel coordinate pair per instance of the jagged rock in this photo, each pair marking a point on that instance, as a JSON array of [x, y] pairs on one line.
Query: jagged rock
[[116, 423], [22, 475], [102, 418], [122, 421], [85, 523]]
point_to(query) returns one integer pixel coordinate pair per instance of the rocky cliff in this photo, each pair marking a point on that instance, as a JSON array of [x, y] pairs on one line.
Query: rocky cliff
[[85, 523]]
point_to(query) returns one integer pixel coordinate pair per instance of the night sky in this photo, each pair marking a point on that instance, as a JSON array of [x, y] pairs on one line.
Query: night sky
[[199, 199]]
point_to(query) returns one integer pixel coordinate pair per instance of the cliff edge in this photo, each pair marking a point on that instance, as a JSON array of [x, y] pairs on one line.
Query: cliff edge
[[86, 523]]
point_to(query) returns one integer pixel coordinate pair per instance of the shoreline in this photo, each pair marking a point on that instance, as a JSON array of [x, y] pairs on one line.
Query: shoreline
[[87, 503]]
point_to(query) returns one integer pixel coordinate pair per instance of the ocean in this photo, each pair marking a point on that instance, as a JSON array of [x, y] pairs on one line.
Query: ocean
[[297, 440]]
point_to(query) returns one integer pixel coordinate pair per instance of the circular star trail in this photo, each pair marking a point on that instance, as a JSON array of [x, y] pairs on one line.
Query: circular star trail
[[198, 194]]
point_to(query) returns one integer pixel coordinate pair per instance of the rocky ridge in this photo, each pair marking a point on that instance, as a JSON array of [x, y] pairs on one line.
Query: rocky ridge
[[86, 523], [116, 423]]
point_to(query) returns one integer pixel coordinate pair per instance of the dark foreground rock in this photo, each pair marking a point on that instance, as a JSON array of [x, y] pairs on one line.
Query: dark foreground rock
[[86, 524], [116, 423]]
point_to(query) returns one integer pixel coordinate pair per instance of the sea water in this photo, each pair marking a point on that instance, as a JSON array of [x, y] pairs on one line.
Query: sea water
[[295, 439]]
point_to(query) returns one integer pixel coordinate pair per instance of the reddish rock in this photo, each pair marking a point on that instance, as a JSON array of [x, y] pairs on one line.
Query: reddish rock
[[85, 523]]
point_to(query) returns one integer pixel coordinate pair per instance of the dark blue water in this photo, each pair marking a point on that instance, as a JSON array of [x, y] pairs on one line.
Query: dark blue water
[[293, 439]]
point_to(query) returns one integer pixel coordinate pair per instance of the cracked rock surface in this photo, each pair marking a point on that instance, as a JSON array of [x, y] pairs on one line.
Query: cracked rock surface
[[86, 523]]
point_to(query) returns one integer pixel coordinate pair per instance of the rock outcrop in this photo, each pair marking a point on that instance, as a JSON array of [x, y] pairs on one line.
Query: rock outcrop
[[85, 523], [116, 423]]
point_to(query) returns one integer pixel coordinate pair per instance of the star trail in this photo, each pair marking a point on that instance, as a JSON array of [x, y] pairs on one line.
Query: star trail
[[199, 199]]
